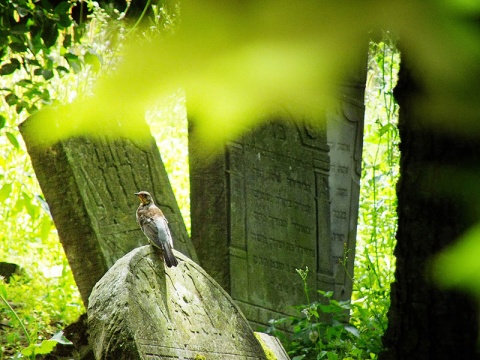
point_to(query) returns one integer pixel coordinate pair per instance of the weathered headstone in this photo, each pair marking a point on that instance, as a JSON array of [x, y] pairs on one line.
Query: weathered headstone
[[142, 310], [277, 215], [280, 199], [89, 184], [345, 139]]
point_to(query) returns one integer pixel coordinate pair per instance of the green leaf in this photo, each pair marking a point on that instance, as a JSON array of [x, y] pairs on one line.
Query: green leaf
[[3, 121], [9, 68], [31, 93], [13, 140], [20, 106], [62, 70], [45, 228], [65, 21], [50, 34], [61, 339], [45, 347], [20, 29], [22, 11], [24, 82], [5, 191], [63, 8], [385, 128], [458, 265], [92, 59], [73, 61], [18, 47], [11, 99], [47, 74], [3, 291]]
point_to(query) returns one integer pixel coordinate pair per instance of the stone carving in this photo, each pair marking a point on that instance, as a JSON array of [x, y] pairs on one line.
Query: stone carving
[[142, 310]]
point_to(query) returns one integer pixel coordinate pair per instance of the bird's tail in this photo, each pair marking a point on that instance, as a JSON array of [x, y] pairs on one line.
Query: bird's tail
[[170, 259]]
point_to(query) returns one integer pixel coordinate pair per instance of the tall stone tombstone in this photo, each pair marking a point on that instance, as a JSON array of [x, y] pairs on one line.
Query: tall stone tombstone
[[345, 140], [89, 184], [282, 197]]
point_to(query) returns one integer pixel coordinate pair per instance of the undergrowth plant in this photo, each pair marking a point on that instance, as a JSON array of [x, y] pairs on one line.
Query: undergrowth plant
[[322, 330]]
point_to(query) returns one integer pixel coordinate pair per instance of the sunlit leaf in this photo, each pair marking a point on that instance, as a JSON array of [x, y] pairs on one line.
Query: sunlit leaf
[[45, 228], [3, 121], [93, 60], [5, 191], [13, 139], [45, 347], [458, 266], [3, 290], [61, 339]]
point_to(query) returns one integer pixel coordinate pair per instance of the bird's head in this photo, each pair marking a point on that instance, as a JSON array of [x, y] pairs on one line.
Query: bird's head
[[144, 197]]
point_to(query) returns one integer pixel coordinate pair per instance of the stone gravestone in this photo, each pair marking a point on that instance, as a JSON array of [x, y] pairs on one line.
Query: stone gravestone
[[89, 184], [142, 310], [281, 199], [277, 216], [345, 140]]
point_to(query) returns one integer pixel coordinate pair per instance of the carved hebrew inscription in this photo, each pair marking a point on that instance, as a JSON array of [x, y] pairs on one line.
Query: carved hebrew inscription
[[279, 217]]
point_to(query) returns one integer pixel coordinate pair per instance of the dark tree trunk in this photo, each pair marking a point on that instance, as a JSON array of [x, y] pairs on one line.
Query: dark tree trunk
[[434, 209]]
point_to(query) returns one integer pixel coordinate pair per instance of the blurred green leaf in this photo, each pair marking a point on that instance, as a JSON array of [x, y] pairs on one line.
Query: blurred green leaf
[[3, 121], [10, 67], [73, 61], [3, 290], [458, 266], [50, 34], [63, 8], [45, 228], [18, 47], [13, 140], [11, 99], [24, 82], [5, 191], [45, 347], [93, 59]]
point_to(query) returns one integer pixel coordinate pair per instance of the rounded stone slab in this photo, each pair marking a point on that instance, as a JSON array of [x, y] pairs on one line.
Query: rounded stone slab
[[142, 310]]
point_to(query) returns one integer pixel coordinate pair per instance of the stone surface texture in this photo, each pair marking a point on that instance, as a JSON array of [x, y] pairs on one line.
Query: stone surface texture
[[142, 310]]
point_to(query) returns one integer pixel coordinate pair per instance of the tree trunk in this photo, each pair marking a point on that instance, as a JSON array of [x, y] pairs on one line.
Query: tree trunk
[[433, 211]]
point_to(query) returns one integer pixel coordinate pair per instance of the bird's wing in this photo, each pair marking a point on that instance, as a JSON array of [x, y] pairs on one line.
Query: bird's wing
[[156, 230], [163, 235]]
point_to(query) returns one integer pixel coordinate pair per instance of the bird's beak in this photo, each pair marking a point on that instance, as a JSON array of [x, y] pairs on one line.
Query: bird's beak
[[137, 194]]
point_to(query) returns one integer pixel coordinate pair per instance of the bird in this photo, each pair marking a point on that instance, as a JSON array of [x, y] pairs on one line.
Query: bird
[[155, 227]]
